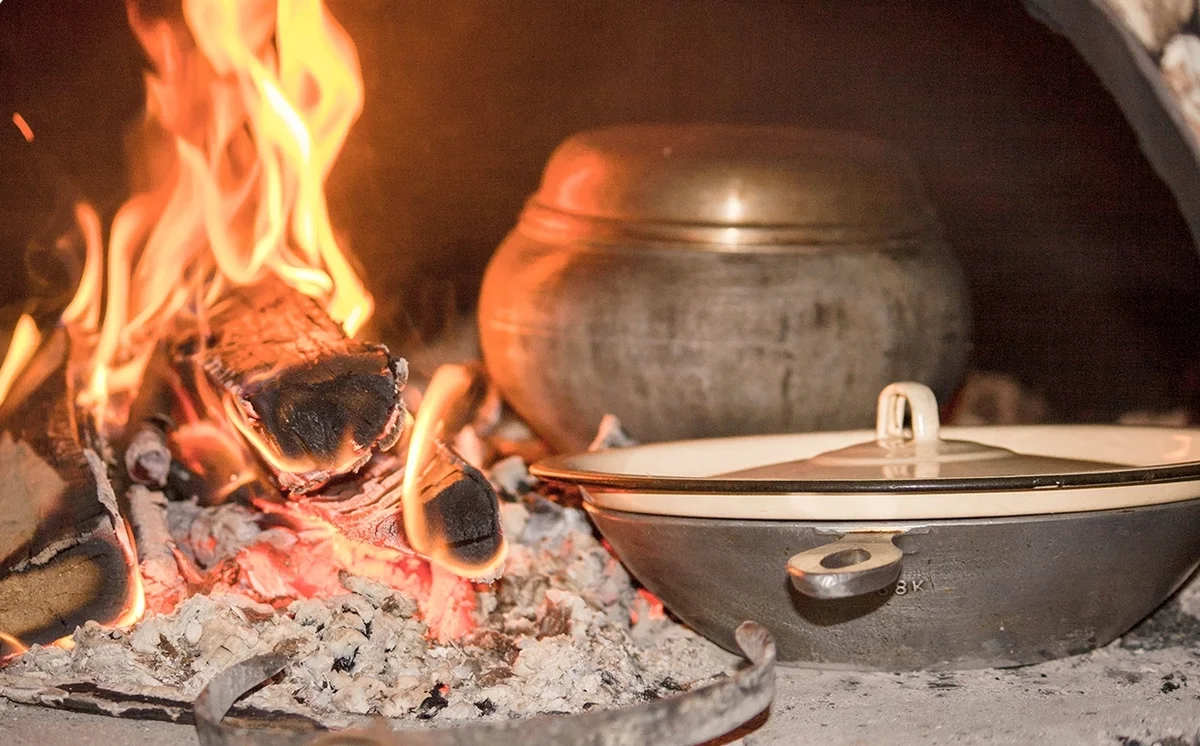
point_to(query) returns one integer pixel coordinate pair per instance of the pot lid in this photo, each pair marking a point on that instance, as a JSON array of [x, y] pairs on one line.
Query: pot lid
[[1078, 468], [743, 184], [918, 452]]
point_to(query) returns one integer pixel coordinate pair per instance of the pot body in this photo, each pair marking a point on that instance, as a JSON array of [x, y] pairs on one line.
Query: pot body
[[971, 593], [683, 343], [701, 280]]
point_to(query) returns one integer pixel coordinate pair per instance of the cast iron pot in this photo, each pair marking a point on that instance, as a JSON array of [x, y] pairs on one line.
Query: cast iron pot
[[923, 571], [659, 267], [970, 593]]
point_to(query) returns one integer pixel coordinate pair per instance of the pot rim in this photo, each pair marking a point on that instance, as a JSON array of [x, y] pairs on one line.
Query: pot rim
[[557, 469], [1159, 482], [553, 225]]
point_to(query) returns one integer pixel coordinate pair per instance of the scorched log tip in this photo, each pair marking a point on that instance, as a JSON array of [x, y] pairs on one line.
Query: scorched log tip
[[313, 402]]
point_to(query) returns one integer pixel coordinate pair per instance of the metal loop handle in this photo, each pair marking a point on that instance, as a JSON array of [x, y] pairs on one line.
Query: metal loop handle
[[856, 564], [894, 400]]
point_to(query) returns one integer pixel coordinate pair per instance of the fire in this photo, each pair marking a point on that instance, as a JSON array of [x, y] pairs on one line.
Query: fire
[[26, 130], [314, 568], [248, 105], [15, 646], [434, 424], [24, 343]]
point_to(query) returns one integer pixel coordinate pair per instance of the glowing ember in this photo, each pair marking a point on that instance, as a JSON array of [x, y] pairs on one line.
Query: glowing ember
[[26, 130], [313, 567]]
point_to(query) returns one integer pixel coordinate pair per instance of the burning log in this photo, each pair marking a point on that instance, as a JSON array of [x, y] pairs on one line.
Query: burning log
[[457, 517], [451, 513], [206, 458], [65, 552], [314, 403], [163, 583]]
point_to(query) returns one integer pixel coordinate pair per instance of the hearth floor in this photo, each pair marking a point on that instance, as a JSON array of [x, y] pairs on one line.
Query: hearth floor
[[1113, 696]]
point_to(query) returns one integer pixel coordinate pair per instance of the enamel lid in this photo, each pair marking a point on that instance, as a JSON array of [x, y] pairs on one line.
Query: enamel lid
[[919, 453], [924, 472]]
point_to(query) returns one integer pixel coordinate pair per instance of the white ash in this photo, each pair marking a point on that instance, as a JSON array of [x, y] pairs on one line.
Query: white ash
[[555, 635], [1189, 597], [209, 536], [512, 477]]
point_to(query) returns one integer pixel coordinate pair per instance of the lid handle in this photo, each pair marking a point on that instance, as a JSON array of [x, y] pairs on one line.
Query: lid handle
[[895, 400]]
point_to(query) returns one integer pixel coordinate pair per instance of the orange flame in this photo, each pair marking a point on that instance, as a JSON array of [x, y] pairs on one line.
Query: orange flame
[[26, 130], [135, 602], [248, 107], [17, 647], [446, 391], [84, 308], [25, 340]]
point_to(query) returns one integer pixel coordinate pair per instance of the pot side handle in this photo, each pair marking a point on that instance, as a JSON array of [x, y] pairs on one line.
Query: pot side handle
[[854, 565]]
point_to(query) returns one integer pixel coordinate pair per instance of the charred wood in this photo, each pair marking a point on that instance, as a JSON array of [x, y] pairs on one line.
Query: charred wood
[[50, 492], [458, 526], [451, 512], [314, 402], [208, 460], [459, 516], [64, 552], [86, 581], [161, 576]]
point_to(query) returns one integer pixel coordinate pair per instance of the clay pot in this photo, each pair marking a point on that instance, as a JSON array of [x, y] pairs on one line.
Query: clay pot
[[713, 280]]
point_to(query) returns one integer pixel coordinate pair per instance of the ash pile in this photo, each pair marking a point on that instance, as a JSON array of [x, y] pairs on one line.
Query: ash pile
[[563, 631]]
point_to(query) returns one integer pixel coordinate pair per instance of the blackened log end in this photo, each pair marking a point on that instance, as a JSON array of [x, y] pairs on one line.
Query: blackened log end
[[465, 517], [310, 411]]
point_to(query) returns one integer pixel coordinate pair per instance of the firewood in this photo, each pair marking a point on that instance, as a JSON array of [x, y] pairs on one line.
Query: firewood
[[64, 553], [458, 526], [457, 523], [207, 459], [451, 512], [314, 403], [49, 492]]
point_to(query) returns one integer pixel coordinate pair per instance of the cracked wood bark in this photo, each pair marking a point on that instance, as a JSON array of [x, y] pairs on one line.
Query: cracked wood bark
[[318, 403], [454, 518], [61, 556]]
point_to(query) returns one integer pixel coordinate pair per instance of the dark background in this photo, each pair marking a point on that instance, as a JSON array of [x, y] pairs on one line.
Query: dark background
[[1083, 278]]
